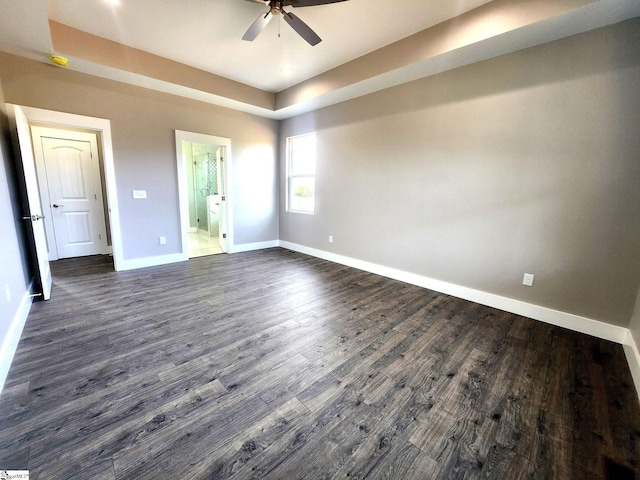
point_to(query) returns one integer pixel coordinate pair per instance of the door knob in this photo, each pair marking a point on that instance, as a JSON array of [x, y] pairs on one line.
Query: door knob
[[33, 218], [55, 205]]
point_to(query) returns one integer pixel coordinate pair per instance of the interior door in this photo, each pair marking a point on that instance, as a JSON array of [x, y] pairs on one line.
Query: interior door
[[35, 216], [73, 188], [222, 195]]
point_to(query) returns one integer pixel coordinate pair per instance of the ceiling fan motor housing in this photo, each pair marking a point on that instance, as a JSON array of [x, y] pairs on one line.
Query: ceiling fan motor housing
[[276, 7]]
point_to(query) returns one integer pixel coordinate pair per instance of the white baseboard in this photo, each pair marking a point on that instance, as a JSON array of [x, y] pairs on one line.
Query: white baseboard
[[182, 257], [570, 321], [633, 359], [567, 320], [247, 247], [10, 343], [577, 323], [150, 261]]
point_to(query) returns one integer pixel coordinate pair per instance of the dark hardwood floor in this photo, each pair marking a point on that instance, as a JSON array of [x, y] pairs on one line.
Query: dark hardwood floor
[[276, 365]]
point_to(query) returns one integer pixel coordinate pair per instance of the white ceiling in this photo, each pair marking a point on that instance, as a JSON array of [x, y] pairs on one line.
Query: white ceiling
[[207, 34]]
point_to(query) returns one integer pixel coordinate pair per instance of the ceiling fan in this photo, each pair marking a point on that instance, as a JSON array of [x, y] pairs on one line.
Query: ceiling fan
[[276, 7]]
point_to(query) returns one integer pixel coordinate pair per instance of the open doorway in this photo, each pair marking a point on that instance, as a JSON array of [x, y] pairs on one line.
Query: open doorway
[[102, 129], [72, 188], [205, 184], [203, 176]]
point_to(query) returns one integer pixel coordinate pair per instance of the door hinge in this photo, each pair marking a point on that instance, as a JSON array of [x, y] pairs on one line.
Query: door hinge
[[95, 196], [100, 236], [224, 235]]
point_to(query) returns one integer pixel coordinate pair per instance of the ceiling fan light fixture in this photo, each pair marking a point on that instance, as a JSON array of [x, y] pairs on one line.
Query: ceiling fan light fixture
[[277, 7]]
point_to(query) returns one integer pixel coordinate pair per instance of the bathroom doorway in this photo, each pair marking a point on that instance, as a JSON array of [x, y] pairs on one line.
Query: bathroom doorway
[[202, 170], [204, 198]]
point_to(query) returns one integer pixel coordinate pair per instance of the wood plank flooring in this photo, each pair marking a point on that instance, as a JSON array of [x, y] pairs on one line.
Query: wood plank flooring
[[276, 365]]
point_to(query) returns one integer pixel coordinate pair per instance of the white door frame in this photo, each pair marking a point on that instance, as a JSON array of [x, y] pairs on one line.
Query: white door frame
[[221, 175], [183, 191], [39, 131], [59, 119]]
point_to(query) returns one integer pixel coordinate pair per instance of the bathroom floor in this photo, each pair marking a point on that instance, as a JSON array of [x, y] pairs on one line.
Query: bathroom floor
[[201, 244]]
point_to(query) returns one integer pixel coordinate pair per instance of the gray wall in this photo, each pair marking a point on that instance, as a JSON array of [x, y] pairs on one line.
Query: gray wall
[[524, 163], [142, 127], [14, 276]]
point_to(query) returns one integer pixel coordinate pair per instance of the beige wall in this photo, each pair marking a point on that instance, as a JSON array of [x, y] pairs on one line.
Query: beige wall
[[525, 163], [142, 126]]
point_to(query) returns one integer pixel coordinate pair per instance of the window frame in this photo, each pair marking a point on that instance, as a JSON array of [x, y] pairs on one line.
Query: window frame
[[291, 176]]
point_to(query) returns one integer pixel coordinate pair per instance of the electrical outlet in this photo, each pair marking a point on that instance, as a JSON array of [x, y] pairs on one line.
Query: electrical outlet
[[528, 279], [163, 240], [330, 238]]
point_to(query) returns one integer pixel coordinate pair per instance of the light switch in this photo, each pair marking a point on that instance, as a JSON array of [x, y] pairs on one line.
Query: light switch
[[139, 194]]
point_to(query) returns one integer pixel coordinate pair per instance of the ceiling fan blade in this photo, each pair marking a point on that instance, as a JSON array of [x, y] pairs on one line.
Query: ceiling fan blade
[[312, 3], [302, 28], [257, 26]]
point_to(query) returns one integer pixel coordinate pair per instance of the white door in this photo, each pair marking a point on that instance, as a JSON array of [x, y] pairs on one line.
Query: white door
[[35, 216], [222, 196], [70, 183]]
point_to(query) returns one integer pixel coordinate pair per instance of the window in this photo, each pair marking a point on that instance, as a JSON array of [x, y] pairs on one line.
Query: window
[[301, 173]]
